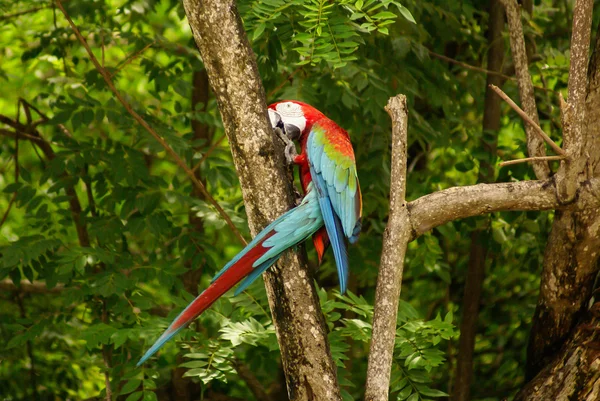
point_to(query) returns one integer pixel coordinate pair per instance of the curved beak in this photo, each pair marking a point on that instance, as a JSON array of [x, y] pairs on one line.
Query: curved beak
[[291, 131]]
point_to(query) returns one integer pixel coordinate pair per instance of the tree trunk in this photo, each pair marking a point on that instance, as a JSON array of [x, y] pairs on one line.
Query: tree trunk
[[267, 190], [571, 256], [575, 372]]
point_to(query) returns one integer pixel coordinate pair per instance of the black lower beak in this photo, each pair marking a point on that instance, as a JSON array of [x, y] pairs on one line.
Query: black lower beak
[[291, 131]]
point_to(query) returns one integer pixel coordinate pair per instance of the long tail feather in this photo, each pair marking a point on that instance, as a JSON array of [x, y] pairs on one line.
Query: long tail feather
[[287, 231], [220, 286]]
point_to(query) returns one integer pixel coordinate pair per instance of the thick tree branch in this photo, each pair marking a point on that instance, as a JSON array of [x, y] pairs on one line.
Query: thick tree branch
[[570, 173], [455, 203], [197, 183], [535, 145], [267, 190], [395, 239]]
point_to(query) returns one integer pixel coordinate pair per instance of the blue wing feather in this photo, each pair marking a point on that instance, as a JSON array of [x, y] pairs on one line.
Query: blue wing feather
[[260, 269], [334, 229]]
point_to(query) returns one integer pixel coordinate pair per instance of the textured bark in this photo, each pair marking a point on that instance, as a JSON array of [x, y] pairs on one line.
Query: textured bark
[[571, 255], [455, 203], [575, 373], [395, 239], [571, 171], [478, 253], [535, 145], [233, 75]]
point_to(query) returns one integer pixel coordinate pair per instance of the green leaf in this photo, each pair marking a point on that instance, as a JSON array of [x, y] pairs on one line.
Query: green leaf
[[406, 13], [258, 31], [130, 386], [149, 396], [13, 187], [430, 392], [404, 393], [134, 396], [414, 397]]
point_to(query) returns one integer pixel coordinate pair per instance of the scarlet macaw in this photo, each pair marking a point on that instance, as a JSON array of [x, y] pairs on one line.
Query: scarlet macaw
[[327, 158], [332, 200]]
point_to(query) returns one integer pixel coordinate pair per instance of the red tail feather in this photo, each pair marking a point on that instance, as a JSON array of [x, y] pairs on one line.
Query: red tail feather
[[224, 283]]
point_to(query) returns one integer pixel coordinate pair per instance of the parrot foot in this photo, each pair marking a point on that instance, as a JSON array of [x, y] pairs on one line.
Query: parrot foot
[[298, 196], [290, 147]]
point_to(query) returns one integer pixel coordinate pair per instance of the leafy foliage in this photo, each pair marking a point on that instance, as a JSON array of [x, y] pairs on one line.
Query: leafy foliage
[[105, 240]]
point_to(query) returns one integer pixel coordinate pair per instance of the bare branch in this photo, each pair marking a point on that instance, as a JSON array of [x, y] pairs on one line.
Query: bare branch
[[530, 159], [209, 151], [197, 183], [472, 67], [455, 203], [535, 146], [106, 357], [533, 124], [395, 239], [131, 57]]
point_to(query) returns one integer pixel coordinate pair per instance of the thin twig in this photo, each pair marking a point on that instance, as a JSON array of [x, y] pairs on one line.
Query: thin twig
[[479, 69], [282, 84], [529, 120], [132, 57], [530, 159], [197, 183], [18, 14], [469, 66], [208, 152], [10, 204]]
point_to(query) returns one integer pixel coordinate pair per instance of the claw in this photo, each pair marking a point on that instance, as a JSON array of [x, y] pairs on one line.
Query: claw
[[286, 134]]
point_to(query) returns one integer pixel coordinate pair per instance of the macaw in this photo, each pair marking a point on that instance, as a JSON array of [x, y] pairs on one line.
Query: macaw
[[332, 200], [319, 135]]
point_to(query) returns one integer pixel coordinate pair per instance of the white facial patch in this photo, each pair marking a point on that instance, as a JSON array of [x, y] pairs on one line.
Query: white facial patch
[[292, 114], [274, 117]]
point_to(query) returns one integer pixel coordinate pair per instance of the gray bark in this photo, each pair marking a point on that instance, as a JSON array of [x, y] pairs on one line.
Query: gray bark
[[395, 239]]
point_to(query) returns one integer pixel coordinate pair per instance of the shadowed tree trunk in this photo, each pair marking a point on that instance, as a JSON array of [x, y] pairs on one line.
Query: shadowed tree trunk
[[479, 238], [571, 256], [570, 259]]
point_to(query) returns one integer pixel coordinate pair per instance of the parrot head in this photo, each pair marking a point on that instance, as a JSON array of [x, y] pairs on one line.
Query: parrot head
[[293, 117]]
